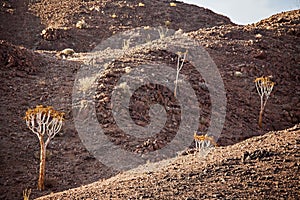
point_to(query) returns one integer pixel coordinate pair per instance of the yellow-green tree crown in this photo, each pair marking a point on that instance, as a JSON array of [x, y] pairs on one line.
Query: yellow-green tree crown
[[264, 80], [203, 138], [40, 109]]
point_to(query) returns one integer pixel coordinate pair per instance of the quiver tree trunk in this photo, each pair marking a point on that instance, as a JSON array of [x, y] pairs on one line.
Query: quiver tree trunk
[[41, 182], [261, 113]]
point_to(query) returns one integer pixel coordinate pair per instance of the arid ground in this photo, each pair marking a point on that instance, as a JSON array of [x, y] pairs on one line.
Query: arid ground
[[250, 162]]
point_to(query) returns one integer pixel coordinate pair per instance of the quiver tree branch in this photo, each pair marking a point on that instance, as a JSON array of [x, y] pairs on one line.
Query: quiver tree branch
[[43, 121], [264, 87]]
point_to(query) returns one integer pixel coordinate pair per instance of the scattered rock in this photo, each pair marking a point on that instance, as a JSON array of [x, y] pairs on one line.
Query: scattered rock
[[258, 36], [81, 24], [66, 53], [52, 34], [238, 74], [257, 154], [261, 55]]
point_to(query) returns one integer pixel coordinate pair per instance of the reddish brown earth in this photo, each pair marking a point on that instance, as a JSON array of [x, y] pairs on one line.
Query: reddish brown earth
[[33, 74], [59, 18], [263, 167]]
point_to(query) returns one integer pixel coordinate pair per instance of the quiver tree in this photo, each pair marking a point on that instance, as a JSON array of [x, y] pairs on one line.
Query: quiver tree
[[264, 88], [45, 122], [180, 62], [203, 141]]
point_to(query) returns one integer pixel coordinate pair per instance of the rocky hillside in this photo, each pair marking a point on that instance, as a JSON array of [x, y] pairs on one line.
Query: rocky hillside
[[33, 74], [258, 168], [81, 25], [242, 53]]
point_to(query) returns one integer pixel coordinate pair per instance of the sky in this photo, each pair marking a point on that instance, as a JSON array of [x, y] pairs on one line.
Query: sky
[[247, 11]]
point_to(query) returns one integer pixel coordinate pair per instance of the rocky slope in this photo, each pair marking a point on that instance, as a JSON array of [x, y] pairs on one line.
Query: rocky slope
[[99, 20], [258, 168], [242, 53]]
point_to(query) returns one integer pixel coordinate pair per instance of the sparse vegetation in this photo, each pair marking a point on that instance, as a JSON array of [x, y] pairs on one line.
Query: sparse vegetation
[[180, 63], [167, 23], [264, 88], [43, 120], [86, 83], [203, 142], [162, 32], [126, 44], [26, 194]]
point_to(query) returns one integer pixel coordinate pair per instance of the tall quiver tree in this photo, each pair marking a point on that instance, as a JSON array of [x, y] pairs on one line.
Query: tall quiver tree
[[264, 87], [45, 122]]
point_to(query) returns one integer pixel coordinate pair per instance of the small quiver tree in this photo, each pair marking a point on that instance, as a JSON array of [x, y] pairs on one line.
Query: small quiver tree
[[44, 122], [264, 88], [180, 62], [203, 143]]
